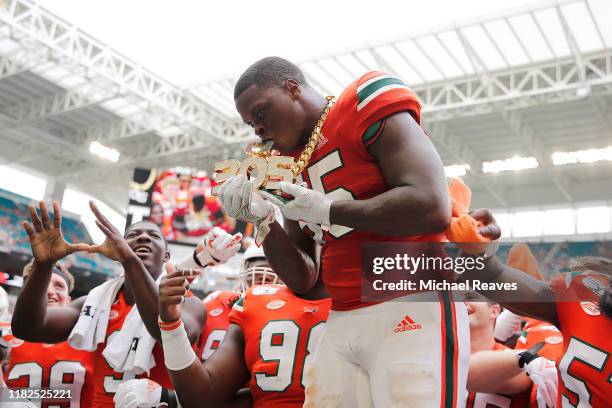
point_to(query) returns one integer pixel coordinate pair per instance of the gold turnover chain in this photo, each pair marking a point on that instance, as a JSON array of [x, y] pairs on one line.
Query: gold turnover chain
[[304, 158]]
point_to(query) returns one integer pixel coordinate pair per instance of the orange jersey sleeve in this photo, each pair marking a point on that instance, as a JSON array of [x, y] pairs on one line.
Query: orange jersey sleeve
[[370, 99], [280, 332], [586, 367]]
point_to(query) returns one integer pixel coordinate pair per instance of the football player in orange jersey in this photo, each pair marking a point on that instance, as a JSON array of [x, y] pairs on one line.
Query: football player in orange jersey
[[42, 365], [492, 382], [218, 306], [255, 271], [142, 252], [580, 305], [373, 177], [272, 335]]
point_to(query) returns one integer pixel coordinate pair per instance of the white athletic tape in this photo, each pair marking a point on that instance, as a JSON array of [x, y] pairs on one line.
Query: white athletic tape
[[178, 353]]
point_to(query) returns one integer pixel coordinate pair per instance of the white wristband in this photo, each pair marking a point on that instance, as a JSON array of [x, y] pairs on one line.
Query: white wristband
[[178, 353], [187, 263]]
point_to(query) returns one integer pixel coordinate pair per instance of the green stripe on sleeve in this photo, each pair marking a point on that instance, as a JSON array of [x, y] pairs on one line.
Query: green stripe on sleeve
[[371, 132], [375, 86]]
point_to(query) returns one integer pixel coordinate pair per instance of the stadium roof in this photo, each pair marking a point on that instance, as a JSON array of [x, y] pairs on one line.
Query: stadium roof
[[527, 82]]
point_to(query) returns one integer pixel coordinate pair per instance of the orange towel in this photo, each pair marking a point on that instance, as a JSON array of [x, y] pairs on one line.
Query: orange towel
[[463, 227], [521, 258]]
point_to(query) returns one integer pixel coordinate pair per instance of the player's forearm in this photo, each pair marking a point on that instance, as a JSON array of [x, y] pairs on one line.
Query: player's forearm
[[531, 298], [496, 372], [296, 268], [145, 293], [28, 321], [192, 385], [404, 210]]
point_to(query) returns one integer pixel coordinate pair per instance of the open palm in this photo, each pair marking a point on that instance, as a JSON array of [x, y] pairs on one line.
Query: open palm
[[46, 239], [110, 249], [115, 246]]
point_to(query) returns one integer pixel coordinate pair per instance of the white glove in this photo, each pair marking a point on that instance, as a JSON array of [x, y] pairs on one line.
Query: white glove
[[506, 324], [544, 375], [307, 205], [241, 202], [139, 393], [217, 246]]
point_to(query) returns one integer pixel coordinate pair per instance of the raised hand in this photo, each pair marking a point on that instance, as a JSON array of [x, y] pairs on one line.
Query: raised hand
[[172, 291], [490, 228], [217, 246], [48, 243], [115, 246]]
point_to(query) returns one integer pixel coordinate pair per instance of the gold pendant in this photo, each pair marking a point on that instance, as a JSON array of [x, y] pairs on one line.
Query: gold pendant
[[262, 166], [266, 169]]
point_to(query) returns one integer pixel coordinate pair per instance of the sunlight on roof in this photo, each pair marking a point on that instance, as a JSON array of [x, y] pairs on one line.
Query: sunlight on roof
[[77, 203], [22, 183]]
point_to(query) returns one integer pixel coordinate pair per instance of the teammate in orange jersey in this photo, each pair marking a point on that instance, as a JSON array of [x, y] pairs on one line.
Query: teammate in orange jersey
[[255, 271], [374, 176], [142, 251], [268, 343], [492, 382], [44, 365], [218, 306], [580, 305], [536, 331]]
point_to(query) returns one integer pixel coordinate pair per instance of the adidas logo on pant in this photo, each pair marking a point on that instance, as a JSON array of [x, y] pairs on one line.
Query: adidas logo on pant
[[407, 324]]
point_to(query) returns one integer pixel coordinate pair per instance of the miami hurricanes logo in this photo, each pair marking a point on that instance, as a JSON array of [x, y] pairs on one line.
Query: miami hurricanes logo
[[407, 324]]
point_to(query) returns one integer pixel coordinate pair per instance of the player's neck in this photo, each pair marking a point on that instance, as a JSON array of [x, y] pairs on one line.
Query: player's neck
[[482, 339], [128, 295], [314, 105]]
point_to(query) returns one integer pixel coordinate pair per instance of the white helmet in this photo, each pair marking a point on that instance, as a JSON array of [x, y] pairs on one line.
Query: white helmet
[[255, 275], [221, 277], [4, 304]]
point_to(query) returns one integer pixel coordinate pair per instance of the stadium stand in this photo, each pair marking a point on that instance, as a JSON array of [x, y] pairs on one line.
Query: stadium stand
[[15, 249], [554, 257]]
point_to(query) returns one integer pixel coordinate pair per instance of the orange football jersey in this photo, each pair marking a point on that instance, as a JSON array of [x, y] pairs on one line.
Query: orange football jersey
[[280, 332], [41, 365], [485, 400], [342, 168], [107, 380], [218, 307], [536, 331], [585, 369]]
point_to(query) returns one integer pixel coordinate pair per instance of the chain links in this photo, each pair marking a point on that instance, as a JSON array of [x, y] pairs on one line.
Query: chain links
[[306, 154]]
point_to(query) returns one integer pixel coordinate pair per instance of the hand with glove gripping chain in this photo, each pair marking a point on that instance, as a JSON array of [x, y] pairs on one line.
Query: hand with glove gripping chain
[[307, 205], [241, 202]]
